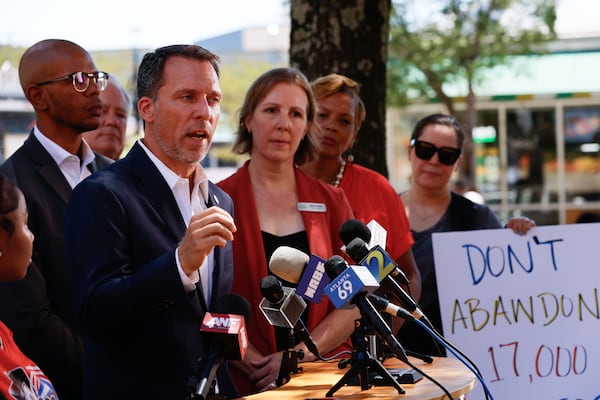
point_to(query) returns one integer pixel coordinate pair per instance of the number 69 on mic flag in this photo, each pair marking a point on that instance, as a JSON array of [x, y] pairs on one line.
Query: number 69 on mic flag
[[345, 286]]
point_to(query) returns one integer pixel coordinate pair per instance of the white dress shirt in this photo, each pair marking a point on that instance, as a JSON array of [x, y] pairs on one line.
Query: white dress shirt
[[73, 168], [189, 204]]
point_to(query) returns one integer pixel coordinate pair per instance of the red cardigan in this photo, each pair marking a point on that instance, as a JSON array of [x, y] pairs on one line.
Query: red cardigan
[[250, 265]]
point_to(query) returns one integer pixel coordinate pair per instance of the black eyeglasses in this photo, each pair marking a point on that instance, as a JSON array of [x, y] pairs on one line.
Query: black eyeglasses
[[425, 150], [81, 80]]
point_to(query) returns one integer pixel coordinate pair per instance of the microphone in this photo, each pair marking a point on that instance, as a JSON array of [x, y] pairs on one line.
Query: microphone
[[347, 284], [372, 233], [380, 264], [354, 228], [383, 304], [308, 273], [346, 281], [357, 250], [283, 307], [280, 305], [226, 328]]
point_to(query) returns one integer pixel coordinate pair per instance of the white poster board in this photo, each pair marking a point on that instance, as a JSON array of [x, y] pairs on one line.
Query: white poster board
[[525, 309]]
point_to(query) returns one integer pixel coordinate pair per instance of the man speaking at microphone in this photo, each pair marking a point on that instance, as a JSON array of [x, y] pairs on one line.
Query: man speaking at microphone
[[149, 241]]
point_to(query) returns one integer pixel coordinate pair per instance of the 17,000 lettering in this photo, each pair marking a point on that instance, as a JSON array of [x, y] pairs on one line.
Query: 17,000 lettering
[[557, 361]]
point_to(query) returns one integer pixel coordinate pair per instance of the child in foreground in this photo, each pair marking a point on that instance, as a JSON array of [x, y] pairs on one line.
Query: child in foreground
[[20, 378]]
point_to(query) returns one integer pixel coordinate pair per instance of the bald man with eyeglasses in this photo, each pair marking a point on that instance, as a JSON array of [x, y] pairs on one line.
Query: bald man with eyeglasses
[[61, 81]]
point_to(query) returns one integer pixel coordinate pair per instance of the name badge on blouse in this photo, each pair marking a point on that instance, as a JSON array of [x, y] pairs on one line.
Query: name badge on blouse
[[312, 207]]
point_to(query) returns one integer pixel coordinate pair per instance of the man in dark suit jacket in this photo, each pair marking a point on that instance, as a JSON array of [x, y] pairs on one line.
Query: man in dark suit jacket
[[149, 239], [40, 308]]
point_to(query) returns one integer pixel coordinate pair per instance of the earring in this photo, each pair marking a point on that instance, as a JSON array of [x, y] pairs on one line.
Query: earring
[[0, 254], [347, 155]]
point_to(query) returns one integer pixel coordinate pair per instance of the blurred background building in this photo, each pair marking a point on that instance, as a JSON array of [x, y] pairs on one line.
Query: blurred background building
[[538, 126], [537, 139]]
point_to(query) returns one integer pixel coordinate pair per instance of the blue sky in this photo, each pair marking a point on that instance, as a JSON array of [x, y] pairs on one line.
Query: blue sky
[[115, 24]]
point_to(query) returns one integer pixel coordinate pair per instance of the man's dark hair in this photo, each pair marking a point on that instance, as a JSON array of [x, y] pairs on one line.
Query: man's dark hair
[[152, 66]]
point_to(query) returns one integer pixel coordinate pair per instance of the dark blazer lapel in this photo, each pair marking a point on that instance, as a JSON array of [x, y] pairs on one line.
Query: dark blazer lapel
[[220, 285], [154, 188], [217, 290], [48, 168], [214, 196], [99, 162]]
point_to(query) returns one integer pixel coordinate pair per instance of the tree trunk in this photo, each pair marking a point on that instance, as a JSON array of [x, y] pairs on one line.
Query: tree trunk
[[348, 37], [467, 168]]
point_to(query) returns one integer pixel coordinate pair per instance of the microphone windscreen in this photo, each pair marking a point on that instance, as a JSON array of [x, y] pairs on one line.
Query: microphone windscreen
[[334, 266], [288, 263], [271, 289], [233, 304], [354, 228], [357, 249]]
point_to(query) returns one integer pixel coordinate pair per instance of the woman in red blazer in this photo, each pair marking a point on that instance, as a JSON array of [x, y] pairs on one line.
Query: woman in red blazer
[[276, 204]]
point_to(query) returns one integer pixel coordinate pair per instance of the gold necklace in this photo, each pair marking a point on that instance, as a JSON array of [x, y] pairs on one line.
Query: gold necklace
[[340, 174]]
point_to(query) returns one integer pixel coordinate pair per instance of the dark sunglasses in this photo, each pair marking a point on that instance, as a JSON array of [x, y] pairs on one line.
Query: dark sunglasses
[[425, 150]]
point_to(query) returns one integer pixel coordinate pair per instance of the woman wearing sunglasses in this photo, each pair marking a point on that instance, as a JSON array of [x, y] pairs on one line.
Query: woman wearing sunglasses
[[434, 153]]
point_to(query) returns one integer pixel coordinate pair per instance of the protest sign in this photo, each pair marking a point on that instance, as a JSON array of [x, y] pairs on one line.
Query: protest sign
[[525, 309]]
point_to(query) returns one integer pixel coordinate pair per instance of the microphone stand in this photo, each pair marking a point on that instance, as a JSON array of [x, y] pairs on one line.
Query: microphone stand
[[363, 365], [382, 355], [289, 361], [289, 365], [422, 357], [201, 384], [376, 345]]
